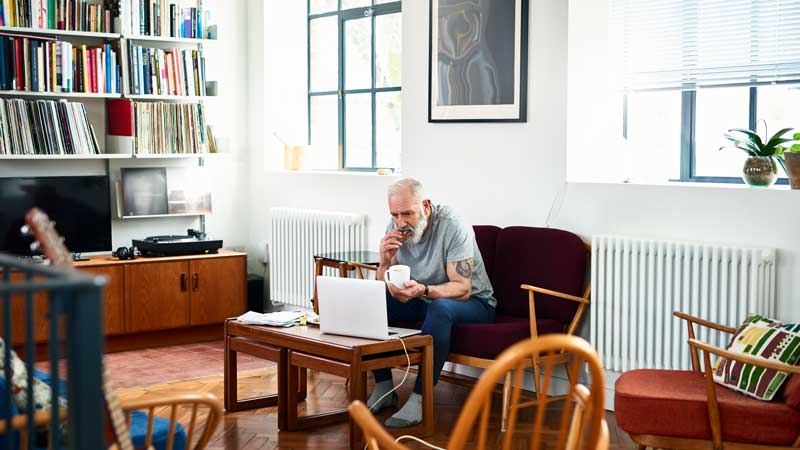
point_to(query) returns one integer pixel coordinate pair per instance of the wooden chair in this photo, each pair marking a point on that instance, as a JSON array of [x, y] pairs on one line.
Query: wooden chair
[[195, 402], [582, 421], [681, 409]]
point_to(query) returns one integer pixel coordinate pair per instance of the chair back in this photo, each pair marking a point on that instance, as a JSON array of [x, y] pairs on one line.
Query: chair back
[[582, 418], [581, 422], [544, 257]]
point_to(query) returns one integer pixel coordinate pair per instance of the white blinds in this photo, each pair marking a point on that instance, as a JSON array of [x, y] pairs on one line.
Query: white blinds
[[683, 44]]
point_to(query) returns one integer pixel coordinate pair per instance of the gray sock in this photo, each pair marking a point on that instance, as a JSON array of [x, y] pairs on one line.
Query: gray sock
[[410, 414], [381, 389]]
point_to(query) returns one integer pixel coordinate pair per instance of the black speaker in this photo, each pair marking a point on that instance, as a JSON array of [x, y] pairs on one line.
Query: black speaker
[[255, 293]]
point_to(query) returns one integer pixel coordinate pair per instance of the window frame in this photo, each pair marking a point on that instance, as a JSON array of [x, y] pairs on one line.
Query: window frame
[[688, 156], [343, 16]]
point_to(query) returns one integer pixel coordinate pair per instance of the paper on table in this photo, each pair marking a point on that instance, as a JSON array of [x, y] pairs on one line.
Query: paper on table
[[276, 319]]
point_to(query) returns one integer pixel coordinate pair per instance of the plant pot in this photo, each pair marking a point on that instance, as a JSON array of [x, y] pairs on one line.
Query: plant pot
[[793, 168], [760, 171]]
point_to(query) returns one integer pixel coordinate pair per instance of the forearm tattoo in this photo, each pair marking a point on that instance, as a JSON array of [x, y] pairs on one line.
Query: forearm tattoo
[[464, 268]]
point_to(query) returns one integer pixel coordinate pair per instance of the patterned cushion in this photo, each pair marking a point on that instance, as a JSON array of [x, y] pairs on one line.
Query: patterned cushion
[[761, 338]]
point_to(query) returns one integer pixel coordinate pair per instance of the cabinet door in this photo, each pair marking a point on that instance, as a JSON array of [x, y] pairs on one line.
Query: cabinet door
[[41, 307], [218, 289], [113, 297], [157, 295]]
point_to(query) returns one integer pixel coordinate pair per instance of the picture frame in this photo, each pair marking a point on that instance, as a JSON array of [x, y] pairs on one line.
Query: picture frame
[[478, 61]]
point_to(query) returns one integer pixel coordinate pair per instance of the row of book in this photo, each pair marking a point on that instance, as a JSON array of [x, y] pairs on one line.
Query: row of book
[[166, 72], [45, 127], [162, 128], [73, 15], [48, 65], [169, 18]]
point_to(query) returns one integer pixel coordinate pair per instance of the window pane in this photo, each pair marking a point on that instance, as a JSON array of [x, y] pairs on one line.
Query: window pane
[[347, 4], [324, 132], [358, 131], [387, 49], [654, 136], [719, 110], [357, 48], [324, 54], [779, 106], [387, 129], [322, 6]]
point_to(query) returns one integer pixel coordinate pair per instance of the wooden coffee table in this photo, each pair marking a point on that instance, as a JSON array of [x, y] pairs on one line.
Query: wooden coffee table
[[299, 348]]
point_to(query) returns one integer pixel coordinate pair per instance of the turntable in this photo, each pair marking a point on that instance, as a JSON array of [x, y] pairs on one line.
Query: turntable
[[193, 243]]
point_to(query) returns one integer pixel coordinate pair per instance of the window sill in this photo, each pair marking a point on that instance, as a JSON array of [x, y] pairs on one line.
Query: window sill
[[681, 184], [355, 173]]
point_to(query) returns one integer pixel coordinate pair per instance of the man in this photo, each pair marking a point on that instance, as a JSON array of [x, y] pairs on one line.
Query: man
[[449, 284]]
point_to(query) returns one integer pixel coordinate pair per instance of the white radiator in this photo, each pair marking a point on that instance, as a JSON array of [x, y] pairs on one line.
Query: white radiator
[[296, 236], [638, 283]]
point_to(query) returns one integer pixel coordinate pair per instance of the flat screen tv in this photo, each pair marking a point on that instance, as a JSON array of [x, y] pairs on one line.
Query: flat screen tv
[[80, 206]]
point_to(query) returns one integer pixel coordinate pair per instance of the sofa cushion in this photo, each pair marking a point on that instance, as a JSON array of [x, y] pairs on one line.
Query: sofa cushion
[[543, 257], [765, 339], [674, 403], [487, 340], [486, 237]]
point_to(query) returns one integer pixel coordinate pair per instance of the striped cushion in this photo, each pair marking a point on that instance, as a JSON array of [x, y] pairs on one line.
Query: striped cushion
[[762, 338]]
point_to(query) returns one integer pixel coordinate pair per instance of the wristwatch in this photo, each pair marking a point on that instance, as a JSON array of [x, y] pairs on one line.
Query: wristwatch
[[425, 294]]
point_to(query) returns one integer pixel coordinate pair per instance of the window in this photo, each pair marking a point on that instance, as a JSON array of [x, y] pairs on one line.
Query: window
[[354, 79], [690, 70]]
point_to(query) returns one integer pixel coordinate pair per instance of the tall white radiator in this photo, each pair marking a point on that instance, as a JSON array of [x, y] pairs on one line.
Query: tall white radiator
[[638, 283], [296, 236]]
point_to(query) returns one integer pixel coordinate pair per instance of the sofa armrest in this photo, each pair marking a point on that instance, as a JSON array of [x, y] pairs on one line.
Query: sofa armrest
[[690, 321], [712, 349], [583, 301], [173, 402]]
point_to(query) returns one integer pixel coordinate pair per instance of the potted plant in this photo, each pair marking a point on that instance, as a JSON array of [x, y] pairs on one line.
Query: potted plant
[[761, 166], [791, 156]]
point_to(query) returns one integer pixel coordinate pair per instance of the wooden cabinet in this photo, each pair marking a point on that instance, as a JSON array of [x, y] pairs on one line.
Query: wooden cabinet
[[113, 298], [158, 295], [218, 289], [41, 306]]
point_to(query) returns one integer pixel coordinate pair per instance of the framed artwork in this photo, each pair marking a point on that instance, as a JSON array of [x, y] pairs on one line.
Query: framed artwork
[[478, 58]]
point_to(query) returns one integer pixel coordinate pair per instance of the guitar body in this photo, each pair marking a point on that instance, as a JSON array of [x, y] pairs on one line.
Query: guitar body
[[39, 224]]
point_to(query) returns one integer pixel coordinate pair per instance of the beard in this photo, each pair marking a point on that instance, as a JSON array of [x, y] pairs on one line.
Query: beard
[[418, 229]]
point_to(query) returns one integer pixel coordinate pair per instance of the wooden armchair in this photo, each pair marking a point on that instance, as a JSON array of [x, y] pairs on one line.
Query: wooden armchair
[[682, 409], [582, 420]]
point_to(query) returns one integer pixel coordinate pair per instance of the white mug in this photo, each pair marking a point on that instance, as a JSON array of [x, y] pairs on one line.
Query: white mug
[[398, 275]]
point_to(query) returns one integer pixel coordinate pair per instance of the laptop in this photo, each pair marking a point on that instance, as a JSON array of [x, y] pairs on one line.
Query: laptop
[[353, 307]]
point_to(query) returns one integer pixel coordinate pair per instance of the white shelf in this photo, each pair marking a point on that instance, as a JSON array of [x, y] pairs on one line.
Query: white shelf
[[48, 32], [65, 157], [186, 98], [166, 39], [161, 215], [177, 155], [58, 94]]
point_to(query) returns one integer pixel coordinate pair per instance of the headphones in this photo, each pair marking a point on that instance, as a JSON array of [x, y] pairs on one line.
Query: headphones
[[124, 253]]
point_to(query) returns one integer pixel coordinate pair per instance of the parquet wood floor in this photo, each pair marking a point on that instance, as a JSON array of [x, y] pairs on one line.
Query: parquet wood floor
[[258, 429]]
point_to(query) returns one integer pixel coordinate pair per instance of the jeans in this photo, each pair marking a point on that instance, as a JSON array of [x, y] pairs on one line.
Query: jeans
[[437, 319]]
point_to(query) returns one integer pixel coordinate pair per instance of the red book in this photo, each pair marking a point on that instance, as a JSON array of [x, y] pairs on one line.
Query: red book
[[18, 62], [92, 80], [120, 117]]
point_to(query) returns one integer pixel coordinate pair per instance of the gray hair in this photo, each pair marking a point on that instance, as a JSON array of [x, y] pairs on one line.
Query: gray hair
[[410, 185]]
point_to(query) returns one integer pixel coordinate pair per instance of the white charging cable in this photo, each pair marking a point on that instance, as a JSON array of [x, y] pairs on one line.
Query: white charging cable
[[405, 375]]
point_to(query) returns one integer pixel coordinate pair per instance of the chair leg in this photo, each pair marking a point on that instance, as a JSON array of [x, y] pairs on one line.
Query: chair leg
[[536, 378], [506, 399]]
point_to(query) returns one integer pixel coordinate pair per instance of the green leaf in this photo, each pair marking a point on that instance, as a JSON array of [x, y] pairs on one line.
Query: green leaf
[[782, 162], [776, 140], [756, 151], [796, 136], [795, 148], [752, 135]]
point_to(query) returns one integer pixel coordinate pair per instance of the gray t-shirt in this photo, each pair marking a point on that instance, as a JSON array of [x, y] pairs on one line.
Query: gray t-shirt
[[448, 239]]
